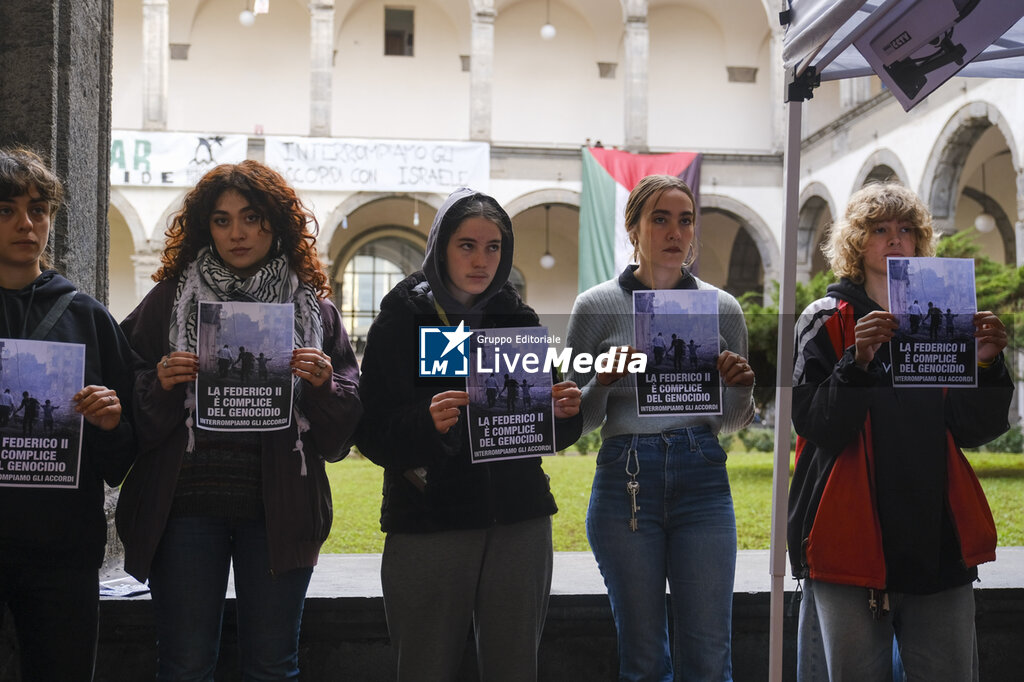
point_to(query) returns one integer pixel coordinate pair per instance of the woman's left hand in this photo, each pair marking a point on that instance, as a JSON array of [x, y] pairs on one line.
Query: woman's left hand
[[735, 369], [99, 405], [311, 364], [566, 396], [991, 335]]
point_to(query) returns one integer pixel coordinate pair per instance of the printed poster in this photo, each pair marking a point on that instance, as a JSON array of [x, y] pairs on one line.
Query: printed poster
[[40, 432], [678, 329], [934, 302], [245, 382], [510, 410]]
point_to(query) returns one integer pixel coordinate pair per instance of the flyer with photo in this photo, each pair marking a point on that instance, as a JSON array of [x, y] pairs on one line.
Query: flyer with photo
[[40, 431], [510, 411], [244, 382], [678, 329], [934, 302]]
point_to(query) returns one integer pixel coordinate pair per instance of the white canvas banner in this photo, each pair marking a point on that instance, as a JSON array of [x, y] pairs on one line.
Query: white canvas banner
[[154, 159], [376, 165]]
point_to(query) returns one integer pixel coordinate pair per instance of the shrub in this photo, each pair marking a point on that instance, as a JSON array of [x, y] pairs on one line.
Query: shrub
[[588, 444], [726, 441], [1011, 441], [761, 440]]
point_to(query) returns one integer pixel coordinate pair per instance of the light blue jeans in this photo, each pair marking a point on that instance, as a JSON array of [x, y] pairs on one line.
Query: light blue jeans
[[686, 534], [188, 582], [935, 634], [810, 658]]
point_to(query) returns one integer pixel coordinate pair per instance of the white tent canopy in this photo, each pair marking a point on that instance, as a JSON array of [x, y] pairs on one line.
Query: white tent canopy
[[823, 27], [822, 39]]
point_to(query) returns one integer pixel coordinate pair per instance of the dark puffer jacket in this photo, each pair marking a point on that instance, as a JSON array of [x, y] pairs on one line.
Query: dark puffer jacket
[[398, 434]]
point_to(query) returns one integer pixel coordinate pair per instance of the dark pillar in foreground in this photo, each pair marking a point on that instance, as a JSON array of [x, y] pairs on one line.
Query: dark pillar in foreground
[[55, 61]]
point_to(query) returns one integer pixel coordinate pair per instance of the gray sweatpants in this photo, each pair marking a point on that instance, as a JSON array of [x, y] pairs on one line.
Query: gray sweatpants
[[437, 584]]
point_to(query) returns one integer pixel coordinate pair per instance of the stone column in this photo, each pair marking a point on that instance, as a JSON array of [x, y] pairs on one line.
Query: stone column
[[321, 66], [155, 59], [145, 264], [777, 85], [55, 97], [853, 91], [481, 70], [637, 50]]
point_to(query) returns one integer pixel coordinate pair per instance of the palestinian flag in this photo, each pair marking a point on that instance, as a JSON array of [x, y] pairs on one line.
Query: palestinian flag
[[609, 175]]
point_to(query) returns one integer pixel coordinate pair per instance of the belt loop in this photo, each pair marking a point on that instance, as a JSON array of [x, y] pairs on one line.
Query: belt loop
[[693, 438]]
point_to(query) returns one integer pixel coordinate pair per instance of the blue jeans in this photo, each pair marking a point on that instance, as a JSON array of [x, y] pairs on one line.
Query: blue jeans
[[810, 658], [686, 534], [935, 634], [188, 581]]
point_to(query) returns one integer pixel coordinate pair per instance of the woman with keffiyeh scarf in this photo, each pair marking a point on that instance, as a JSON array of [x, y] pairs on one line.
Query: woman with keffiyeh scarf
[[198, 501]]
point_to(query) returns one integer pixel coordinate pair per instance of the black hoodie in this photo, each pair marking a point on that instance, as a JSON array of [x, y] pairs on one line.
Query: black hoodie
[[56, 526], [397, 432]]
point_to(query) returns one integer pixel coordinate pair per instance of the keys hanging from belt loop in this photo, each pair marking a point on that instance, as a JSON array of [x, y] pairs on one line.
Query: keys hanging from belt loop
[[632, 486], [878, 603]]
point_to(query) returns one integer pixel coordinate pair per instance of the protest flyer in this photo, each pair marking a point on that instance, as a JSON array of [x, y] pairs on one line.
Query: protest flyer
[[510, 411], [678, 329], [934, 302], [40, 431], [244, 382]]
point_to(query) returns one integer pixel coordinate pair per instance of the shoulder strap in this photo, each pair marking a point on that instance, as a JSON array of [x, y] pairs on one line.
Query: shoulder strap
[[56, 310]]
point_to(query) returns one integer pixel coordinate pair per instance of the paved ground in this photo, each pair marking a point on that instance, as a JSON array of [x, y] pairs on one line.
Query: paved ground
[[358, 575]]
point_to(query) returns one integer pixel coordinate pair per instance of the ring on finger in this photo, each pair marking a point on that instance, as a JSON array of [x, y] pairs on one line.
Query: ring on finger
[[318, 373], [164, 363], [320, 363]]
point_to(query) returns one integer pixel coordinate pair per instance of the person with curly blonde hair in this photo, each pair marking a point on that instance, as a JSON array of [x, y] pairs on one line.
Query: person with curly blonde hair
[[887, 522], [876, 203], [199, 501]]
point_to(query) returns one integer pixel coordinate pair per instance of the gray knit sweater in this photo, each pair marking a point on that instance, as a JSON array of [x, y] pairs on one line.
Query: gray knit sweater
[[603, 317]]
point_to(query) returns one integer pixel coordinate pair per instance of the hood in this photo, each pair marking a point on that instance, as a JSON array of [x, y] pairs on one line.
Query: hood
[[433, 263], [846, 290], [23, 309]]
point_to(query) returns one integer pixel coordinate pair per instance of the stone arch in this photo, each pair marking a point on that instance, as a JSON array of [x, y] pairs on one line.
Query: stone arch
[[764, 239], [815, 204], [329, 225], [140, 238], [541, 197], [881, 158], [940, 185]]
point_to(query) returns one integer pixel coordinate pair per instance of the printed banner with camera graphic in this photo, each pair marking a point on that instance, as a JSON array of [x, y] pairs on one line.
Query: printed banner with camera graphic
[[678, 330], [934, 302], [40, 431], [510, 410], [245, 378]]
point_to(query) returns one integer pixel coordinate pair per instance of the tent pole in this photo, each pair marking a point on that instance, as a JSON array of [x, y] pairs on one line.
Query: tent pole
[[784, 389]]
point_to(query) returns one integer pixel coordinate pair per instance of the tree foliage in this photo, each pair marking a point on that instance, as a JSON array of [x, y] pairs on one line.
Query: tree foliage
[[763, 330]]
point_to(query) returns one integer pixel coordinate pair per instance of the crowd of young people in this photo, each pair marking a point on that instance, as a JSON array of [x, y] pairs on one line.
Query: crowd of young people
[[468, 545]]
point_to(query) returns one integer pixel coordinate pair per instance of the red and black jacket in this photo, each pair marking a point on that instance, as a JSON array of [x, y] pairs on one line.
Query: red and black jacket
[[882, 496]]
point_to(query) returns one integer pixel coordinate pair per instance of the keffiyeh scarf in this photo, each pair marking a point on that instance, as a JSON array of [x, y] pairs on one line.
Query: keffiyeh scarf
[[208, 279]]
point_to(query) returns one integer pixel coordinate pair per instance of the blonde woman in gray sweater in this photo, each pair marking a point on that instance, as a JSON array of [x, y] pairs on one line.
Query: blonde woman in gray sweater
[[685, 530]]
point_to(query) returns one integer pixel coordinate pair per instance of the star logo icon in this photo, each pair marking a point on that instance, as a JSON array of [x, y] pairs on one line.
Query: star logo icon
[[455, 337]]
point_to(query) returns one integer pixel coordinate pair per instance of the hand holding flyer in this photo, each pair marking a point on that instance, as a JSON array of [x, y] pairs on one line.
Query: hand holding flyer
[[931, 345], [511, 411]]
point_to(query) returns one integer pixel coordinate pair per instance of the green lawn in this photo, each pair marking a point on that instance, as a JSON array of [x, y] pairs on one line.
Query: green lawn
[[356, 484]]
